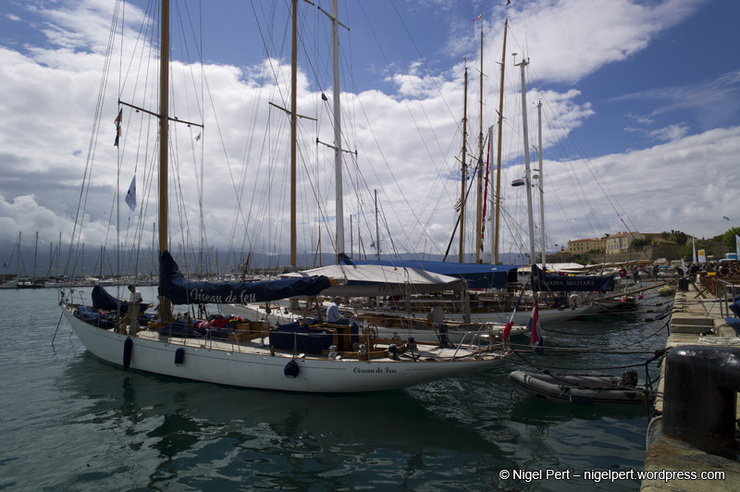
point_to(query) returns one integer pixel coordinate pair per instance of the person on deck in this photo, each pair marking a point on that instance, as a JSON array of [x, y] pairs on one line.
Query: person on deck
[[133, 310], [332, 312], [437, 317]]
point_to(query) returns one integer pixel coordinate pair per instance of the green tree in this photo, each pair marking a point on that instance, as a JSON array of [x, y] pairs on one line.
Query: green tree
[[728, 238], [680, 237]]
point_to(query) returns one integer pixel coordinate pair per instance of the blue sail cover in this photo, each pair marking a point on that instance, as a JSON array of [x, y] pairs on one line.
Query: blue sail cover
[[101, 299], [174, 286], [477, 276], [547, 282]]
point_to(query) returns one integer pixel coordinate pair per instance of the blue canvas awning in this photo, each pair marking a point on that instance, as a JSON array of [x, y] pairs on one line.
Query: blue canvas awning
[[544, 282], [477, 276], [174, 286]]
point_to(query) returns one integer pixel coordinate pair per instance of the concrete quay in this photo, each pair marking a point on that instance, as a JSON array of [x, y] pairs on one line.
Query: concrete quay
[[672, 464]]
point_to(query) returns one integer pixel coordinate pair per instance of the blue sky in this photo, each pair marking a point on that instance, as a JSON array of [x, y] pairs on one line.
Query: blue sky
[[641, 102]]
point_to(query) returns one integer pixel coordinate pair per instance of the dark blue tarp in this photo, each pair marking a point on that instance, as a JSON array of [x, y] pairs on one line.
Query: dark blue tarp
[[548, 282], [477, 275], [294, 336], [101, 299], [174, 286]]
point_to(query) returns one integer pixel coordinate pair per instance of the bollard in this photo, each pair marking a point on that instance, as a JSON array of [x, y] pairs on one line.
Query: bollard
[[700, 394]]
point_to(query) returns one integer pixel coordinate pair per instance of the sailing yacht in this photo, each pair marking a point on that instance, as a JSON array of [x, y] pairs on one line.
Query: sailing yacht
[[308, 355]]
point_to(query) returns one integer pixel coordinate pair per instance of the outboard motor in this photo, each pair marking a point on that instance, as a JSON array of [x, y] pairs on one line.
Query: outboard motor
[[629, 378]]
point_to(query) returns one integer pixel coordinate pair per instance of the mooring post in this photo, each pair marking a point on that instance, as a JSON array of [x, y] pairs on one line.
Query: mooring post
[[700, 396]]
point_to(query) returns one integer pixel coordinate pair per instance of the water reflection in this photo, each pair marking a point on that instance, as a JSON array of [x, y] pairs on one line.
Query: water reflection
[[188, 432]]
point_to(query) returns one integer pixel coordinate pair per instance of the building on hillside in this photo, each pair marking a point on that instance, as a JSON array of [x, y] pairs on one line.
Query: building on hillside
[[620, 243], [580, 246]]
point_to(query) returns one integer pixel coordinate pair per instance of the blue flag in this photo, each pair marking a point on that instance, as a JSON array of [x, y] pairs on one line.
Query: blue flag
[[131, 195]]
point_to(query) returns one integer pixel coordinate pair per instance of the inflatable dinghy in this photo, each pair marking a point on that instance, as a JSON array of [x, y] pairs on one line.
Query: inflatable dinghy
[[583, 389]]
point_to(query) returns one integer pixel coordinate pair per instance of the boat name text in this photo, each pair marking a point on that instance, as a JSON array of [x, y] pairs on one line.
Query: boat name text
[[378, 370], [232, 298]]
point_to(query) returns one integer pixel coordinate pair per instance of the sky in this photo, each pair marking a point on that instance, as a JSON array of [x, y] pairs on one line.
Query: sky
[[640, 120]]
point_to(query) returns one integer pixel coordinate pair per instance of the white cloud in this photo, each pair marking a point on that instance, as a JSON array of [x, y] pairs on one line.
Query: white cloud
[[407, 141]]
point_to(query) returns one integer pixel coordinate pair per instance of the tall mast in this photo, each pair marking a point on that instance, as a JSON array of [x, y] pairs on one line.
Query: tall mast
[[164, 75], [337, 130], [541, 182], [498, 152], [293, 135], [464, 169], [479, 209], [527, 171]]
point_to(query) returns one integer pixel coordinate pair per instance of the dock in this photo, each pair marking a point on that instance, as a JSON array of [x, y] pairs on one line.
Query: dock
[[678, 464]]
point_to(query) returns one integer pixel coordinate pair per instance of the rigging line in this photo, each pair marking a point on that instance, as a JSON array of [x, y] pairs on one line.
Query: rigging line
[[390, 68], [76, 235], [423, 60], [576, 177], [246, 221], [203, 242], [413, 209], [598, 178], [393, 177]]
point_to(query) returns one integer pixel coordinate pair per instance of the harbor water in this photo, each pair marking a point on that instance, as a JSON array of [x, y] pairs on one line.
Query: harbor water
[[70, 422]]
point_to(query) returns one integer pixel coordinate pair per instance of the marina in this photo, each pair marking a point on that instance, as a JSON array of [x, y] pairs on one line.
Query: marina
[[301, 249], [78, 423]]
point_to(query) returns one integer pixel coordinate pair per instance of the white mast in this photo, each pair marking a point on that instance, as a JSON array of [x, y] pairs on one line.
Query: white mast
[[334, 16], [479, 201], [541, 185], [491, 199], [337, 130], [528, 174]]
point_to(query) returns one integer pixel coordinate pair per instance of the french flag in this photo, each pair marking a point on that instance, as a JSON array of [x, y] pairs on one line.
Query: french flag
[[536, 339], [507, 328]]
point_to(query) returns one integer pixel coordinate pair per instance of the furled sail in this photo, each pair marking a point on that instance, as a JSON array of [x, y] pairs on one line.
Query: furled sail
[[175, 287], [548, 282]]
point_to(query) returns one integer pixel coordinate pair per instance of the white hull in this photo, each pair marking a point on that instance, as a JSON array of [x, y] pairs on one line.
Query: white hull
[[250, 366], [522, 316]]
